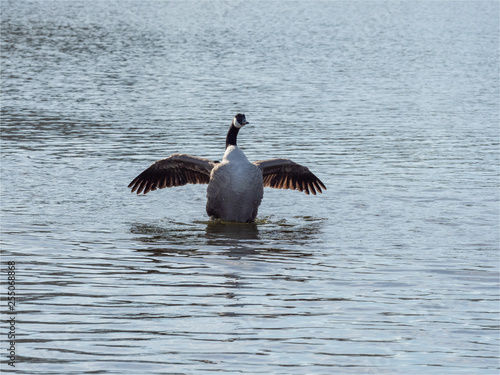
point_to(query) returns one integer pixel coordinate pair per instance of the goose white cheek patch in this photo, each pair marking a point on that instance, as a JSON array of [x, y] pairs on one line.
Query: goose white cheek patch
[[237, 124]]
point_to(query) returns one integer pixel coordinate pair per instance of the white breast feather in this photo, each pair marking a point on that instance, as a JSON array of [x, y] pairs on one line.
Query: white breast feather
[[236, 187]]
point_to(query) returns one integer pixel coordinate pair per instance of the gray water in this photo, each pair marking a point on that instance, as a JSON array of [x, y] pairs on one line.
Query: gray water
[[394, 105]]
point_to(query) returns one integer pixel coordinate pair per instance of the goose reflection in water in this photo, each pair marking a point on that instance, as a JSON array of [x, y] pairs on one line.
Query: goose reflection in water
[[234, 239]]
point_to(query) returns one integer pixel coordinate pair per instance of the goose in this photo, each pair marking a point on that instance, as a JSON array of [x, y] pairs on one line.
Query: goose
[[235, 185]]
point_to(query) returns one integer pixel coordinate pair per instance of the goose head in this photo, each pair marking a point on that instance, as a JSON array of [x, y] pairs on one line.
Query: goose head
[[239, 121]]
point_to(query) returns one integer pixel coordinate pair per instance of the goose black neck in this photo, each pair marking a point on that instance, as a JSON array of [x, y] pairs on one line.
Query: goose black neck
[[231, 136]]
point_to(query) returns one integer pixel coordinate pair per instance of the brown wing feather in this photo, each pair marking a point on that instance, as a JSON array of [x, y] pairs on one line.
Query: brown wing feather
[[176, 170], [286, 174]]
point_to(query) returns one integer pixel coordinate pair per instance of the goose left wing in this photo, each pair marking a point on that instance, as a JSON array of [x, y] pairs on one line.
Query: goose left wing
[[286, 174], [176, 170]]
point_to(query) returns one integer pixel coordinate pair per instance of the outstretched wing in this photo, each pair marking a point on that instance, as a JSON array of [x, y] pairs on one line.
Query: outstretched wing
[[176, 170], [286, 174]]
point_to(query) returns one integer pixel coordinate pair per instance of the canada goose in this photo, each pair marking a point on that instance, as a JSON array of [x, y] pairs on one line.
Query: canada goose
[[235, 186]]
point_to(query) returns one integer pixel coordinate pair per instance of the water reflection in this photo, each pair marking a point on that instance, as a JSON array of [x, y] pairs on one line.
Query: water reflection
[[235, 239], [216, 231]]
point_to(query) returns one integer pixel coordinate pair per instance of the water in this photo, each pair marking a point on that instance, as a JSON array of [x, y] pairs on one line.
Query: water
[[394, 269]]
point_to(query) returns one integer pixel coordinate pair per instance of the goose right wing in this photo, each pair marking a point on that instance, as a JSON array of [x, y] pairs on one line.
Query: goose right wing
[[286, 174], [176, 170]]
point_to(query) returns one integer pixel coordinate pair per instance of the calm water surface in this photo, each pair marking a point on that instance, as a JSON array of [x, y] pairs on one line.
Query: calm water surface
[[394, 105]]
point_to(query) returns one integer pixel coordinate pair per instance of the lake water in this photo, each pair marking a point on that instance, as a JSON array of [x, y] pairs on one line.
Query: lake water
[[394, 269]]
